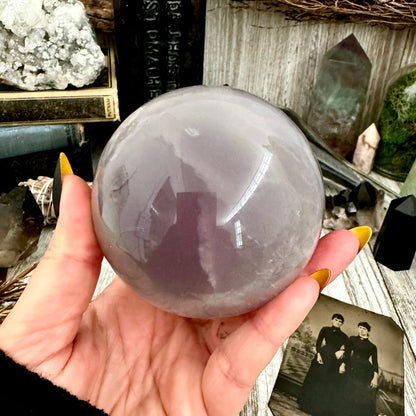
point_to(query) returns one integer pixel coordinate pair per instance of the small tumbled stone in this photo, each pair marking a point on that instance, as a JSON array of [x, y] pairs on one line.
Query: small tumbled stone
[[47, 44], [208, 201]]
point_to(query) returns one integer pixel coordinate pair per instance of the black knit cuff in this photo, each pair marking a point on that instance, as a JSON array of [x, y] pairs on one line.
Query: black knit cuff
[[23, 392]]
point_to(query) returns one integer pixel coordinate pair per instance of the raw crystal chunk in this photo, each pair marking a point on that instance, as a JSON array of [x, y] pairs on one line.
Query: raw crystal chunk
[[364, 195], [20, 225], [208, 201], [362, 205], [366, 148], [339, 94], [47, 44]]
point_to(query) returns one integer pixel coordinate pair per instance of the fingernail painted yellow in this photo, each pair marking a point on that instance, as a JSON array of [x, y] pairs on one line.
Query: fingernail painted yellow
[[322, 277], [64, 165], [63, 168], [363, 233]]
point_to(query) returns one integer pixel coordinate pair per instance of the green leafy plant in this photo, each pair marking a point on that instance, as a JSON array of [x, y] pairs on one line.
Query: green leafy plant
[[397, 127]]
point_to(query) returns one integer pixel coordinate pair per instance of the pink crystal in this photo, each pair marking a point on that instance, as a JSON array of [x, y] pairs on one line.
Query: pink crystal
[[208, 201]]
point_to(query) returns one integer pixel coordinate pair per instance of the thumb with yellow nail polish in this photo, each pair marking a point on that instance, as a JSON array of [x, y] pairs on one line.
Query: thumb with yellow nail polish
[[63, 168]]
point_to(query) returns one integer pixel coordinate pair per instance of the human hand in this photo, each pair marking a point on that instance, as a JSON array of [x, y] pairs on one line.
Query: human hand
[[319, 358], [342, 368], [339, 354], [128, 357]]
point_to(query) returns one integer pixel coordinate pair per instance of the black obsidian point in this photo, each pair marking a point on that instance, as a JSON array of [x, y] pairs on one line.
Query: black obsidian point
[[396, 243], [364, 195]]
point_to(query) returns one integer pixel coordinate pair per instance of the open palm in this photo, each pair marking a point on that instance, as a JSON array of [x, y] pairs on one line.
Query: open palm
[[128, 357]]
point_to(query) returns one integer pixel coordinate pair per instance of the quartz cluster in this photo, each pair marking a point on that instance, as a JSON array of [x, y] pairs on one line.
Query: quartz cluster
[[47, 44]]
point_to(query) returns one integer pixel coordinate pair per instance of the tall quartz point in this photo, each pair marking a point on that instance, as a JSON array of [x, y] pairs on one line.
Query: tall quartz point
[[47, 44], [339, 94]]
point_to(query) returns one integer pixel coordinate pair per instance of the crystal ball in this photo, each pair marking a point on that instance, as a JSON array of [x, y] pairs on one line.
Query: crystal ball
[[208, 201]]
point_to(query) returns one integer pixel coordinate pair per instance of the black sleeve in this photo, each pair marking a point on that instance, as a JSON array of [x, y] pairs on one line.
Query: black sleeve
[[374, 358], [24, 393], [320, 339], [347, 349]]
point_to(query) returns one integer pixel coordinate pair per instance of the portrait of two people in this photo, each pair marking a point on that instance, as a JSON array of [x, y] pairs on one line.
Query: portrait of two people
[[343, 377]]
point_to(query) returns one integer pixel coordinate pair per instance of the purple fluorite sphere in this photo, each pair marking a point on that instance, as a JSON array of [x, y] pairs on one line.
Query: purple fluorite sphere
[[208, 201]]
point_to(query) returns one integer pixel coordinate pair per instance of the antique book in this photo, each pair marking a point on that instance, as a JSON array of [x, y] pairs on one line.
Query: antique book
[[96, 102], [29, 151], [27, 139], [174, 30], [150, 15], [159, 48]]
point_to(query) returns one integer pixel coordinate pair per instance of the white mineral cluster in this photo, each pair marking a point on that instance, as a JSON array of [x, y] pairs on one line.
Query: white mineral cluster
[[47, 44]]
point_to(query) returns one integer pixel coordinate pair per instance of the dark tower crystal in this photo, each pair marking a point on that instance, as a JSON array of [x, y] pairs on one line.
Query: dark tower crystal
[[396, 243]]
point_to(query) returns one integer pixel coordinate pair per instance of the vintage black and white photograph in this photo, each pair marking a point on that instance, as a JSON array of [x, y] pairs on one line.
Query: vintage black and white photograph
[[341, 361]]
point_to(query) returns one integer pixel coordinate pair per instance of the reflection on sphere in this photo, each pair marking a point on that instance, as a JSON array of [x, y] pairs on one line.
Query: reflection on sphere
[[208, 201]]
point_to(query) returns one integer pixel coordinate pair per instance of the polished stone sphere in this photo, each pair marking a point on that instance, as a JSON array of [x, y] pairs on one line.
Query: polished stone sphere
[[208, 201]]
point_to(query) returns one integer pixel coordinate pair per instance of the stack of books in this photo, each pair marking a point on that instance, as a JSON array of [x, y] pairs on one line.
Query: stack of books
[[160, 48], [93, 103], [156, 46], [35, 126]]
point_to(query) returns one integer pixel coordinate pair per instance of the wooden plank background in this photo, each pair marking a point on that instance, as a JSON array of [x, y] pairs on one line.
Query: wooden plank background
[[252, 46]]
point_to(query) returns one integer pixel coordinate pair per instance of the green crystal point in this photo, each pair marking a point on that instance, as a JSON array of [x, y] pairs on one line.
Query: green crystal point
[[339, 95]]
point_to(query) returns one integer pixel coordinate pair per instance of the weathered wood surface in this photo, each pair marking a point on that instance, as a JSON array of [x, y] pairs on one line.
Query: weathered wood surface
[[372, 286], [364, 283], [367, 284], [249, 45]]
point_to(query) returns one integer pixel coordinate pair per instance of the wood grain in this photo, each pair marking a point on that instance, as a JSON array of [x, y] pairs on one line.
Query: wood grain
[[364, 283], [252, 46]]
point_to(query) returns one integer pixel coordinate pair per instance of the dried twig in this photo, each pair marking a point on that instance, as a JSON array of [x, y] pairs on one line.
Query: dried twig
[[396, 14]]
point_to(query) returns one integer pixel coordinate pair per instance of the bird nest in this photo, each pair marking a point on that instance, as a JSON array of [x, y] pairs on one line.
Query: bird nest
[[394, 13]]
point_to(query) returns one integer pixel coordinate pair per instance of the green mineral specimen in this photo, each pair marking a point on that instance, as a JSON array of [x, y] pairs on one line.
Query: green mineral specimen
[[397, 127], [339, 95]]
